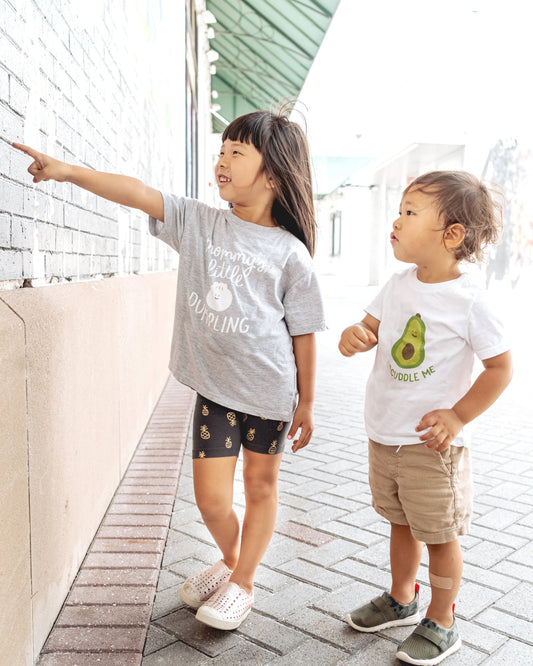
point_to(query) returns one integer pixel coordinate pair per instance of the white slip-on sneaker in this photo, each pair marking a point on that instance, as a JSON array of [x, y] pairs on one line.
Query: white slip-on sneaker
[[227, 608], [198, 588]]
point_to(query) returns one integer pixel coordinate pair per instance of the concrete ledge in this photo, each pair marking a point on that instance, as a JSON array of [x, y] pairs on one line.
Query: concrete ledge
[[107, 612], [85, 366], [15, 581]]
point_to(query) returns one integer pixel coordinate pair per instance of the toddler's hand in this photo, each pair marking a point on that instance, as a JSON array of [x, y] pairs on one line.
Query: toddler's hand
[[442, 427], [44, 167], [356, 339]]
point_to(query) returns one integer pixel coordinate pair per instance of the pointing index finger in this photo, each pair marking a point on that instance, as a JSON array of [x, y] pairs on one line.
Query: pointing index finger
[[26, 149]]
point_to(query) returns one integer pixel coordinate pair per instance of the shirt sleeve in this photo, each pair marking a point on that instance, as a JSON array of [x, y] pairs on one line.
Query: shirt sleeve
[[485, 330], [304, 308], [375, 309], [176, 211]]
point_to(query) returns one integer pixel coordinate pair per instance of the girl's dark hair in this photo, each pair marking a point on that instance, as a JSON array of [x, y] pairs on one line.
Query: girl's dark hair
[[285, 151], [461, 197]]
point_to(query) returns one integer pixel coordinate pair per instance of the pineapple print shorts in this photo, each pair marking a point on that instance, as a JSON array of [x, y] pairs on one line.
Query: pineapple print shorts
[[219, 432]]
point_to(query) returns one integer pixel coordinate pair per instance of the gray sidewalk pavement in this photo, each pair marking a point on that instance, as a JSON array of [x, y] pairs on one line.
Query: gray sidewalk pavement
[[329, 552]]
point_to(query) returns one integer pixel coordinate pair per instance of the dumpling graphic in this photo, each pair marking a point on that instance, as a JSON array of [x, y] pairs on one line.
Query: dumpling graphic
[[219, 297]]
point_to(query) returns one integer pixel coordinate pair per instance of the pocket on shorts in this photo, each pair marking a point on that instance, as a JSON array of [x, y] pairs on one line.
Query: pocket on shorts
[[445, 459]]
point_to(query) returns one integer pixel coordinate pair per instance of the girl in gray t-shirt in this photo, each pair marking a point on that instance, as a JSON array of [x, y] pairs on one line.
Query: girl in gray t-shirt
[[247, 308]]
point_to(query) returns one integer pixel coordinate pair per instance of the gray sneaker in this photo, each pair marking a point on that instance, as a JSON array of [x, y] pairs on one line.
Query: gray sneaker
[[429, 644], [384, 612]]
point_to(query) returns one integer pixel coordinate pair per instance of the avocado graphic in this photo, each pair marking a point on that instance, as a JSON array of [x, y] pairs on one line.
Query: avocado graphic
[[408, 351]]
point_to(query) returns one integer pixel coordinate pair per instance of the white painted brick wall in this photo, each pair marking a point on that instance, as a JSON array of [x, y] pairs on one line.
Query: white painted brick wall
[[80, 81]]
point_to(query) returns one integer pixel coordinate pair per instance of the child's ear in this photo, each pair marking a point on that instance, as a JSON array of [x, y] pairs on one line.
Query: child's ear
[[454, 235], [269, 180]]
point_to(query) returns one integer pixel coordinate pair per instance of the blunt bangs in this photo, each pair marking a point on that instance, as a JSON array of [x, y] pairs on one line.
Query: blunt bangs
[[283, 147], [249, 128]]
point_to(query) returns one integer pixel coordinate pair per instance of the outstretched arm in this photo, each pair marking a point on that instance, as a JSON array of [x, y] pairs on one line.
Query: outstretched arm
[[305, 355], [360, 337], [443, 425], [124, 190]]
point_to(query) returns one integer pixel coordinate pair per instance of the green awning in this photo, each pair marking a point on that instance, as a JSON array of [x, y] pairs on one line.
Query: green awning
[[265, 50]]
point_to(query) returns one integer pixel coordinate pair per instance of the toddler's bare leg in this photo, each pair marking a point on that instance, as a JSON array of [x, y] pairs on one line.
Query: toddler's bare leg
[[445, 571], [405, 554]]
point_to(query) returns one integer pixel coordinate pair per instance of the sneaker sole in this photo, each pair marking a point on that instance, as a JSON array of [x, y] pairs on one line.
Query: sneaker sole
[[430, 662], [220, 623], [411, 619]]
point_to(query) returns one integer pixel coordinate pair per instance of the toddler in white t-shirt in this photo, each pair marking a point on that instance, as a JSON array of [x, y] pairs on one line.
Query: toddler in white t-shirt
[[428, 322]]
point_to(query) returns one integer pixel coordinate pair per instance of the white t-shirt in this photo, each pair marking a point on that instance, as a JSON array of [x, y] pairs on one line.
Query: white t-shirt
[[243, 291], [428, 336]]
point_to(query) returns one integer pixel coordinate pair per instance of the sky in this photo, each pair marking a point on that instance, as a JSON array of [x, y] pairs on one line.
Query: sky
[[393, 72]]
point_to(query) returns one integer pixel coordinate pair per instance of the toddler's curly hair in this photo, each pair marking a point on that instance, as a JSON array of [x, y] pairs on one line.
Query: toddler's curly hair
[[461, 197]]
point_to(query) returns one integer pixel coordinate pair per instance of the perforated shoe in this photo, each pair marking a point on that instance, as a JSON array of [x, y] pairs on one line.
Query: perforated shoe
[[429, 644], [227, 608], [200, 587], [384, 612]]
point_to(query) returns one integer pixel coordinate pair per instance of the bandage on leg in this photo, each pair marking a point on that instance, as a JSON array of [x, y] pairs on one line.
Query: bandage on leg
[[441, 582]]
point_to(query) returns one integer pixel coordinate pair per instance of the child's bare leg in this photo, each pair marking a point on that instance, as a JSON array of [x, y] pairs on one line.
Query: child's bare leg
[[405, 554], [260, 473], [445, 571], [213, 488]]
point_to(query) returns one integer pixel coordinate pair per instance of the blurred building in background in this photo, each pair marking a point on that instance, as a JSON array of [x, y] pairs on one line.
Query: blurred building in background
[[356, 211], [356, 215], [381, 109]]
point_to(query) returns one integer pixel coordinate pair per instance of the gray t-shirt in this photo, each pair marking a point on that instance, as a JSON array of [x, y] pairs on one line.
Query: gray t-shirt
[[243, 291]]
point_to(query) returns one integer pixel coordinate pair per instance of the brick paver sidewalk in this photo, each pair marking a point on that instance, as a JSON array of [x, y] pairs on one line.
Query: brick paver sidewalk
[[330, 549], [106, 614]]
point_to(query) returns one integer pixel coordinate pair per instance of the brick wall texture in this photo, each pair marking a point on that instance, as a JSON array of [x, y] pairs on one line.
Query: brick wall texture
[[89, 83]]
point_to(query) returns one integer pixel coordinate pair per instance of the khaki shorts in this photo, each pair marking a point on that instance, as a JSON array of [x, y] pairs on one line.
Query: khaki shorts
[[431, 492]]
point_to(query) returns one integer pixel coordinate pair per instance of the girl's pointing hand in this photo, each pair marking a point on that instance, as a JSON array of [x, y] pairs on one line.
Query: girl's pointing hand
[[43, 166]]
